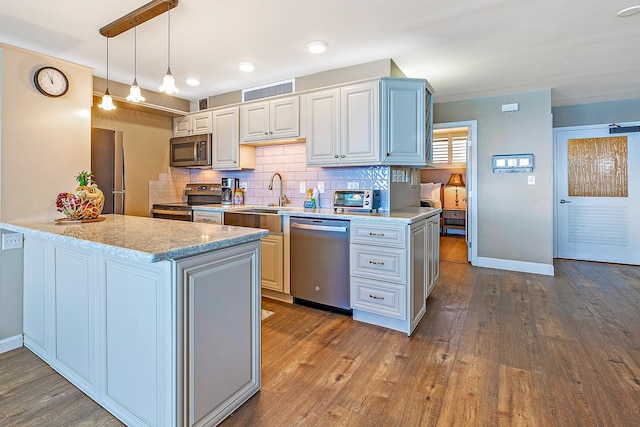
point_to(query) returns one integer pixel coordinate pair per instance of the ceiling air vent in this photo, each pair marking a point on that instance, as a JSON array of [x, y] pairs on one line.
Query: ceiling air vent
[[274, 89]]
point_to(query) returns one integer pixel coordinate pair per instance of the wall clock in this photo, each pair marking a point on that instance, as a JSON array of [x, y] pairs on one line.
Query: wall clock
[[51, 82]]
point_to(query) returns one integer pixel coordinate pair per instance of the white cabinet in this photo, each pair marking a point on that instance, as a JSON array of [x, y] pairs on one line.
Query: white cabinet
[[342, 126], [207, 216], [221, 319], [389, 271], [155, 343], [403, 121], [37, 299], [359, 124], [433, 252], [323, 127], [226, 151], [192, 124], [270, 120], [273, 262], [376, 122]]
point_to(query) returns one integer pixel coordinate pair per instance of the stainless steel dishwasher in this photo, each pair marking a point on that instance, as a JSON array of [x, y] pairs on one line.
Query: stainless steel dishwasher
[[320, 262]]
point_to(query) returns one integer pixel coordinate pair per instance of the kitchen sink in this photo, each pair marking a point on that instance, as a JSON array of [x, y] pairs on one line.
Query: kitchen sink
[[258, 217]]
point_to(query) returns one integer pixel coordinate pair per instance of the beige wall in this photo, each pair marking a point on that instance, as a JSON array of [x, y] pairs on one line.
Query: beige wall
[[44, 142], [515, 220], [146, 146]]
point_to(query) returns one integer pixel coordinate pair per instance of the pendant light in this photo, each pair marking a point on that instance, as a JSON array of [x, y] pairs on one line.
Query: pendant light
[[168, 82], [134, 93], [107, 101]]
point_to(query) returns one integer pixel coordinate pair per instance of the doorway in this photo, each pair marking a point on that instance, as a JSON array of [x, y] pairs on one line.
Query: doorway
[[454, 167], [597, 195]]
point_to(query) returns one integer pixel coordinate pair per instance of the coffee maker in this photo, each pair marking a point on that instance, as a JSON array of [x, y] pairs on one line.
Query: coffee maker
[[228, 188]]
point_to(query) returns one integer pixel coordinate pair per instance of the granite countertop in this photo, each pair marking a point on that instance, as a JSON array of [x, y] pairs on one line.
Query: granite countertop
[[139, 238], [403, 216]]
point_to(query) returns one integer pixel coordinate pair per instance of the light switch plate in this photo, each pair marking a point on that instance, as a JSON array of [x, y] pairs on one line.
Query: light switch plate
[[531, 179], [321, 187], [303, 187]]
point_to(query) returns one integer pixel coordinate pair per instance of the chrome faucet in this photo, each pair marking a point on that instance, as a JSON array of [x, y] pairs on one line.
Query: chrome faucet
[[282, 199]]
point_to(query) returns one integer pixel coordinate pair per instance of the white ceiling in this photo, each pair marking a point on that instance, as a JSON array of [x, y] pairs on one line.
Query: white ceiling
[[465, 48]]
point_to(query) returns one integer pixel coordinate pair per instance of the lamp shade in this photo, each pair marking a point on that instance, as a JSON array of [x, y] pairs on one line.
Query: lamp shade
[[456, 179]]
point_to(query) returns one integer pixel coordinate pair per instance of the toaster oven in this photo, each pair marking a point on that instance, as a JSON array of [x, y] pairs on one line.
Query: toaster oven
[[368, 200]]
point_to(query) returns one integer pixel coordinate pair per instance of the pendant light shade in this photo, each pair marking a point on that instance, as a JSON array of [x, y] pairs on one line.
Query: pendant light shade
[[134, 92], [168, 82], [107, 101]]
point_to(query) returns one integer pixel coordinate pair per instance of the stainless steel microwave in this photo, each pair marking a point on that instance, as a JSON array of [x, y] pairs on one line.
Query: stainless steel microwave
[[191, 151]]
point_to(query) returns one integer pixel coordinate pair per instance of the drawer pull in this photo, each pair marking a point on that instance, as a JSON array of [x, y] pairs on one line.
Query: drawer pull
[[376, 262], [375, 297], [205, 219], [377, 234]]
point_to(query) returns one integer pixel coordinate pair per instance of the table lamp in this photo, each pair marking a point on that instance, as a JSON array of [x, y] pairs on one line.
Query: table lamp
[[457, 181]]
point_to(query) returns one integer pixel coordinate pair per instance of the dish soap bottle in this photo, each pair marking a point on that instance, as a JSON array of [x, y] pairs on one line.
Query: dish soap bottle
[[238, 197]]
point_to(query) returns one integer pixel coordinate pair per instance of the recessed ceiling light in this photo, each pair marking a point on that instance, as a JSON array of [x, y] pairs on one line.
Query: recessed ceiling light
[[629, 11], [246, 66], [317, 46], [192, 81]]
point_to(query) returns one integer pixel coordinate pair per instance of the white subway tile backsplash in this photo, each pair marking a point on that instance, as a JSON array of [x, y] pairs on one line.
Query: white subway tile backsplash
[[290, 161]]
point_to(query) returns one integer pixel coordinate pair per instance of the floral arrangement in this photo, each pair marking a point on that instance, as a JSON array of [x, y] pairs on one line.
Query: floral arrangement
[[85, 203]]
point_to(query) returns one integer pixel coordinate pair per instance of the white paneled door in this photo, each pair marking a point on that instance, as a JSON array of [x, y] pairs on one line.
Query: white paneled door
[[597, 199]]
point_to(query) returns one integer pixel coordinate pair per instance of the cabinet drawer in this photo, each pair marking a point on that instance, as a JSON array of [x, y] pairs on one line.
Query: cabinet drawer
[[386, 299], [453, 214], [209, 217], [378, 263], [387, 235]]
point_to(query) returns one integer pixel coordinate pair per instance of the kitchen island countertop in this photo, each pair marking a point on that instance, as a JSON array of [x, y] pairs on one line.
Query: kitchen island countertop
[[139, 238]]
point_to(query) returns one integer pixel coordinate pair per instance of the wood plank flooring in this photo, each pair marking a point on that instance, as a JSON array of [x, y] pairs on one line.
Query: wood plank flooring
[[495, 348]]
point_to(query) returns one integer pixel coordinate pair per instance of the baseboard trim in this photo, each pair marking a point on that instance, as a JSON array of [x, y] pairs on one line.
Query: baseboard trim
[[521, 266], [10, 343]]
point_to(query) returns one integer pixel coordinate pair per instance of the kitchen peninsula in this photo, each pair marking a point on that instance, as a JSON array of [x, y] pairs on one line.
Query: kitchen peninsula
[[158, 321]]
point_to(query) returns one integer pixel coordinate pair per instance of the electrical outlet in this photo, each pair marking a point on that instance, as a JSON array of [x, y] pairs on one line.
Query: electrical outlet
[[353, 185], [321, 187], [303, 187], [531, 179], [243, 185], [11, 241]]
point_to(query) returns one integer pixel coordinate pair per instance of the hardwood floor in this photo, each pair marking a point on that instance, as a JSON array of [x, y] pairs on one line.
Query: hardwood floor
[[495, 348], [453, 248]]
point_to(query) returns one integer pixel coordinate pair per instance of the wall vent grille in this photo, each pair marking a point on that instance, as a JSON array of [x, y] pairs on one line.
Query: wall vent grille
[[267, 91]]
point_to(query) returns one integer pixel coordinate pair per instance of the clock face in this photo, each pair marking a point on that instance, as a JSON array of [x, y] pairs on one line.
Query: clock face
[[51, 81]]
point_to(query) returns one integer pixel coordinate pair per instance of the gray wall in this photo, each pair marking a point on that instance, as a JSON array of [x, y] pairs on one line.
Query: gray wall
[[595, 114], [515, 220], [10, 292]]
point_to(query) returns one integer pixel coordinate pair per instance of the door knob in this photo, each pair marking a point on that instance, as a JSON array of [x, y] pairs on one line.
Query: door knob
[[563, 201]]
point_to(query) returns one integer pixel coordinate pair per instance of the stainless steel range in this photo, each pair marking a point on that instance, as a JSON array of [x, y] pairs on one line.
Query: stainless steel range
[[197, 194]]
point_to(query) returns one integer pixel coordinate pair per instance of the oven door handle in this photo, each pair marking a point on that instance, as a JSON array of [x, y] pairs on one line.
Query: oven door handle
[[170, 212]]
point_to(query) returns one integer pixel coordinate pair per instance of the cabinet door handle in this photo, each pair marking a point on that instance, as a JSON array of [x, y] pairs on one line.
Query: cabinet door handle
[[270, 132], [342, 155], [266, 133], [336, 156], [388, 154], [375, 297], [376, 262], [376, 234]]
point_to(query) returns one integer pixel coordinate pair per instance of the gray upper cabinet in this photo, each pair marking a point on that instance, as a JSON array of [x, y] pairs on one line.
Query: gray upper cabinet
[[403, 122], [227, 153], [377, 122]]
